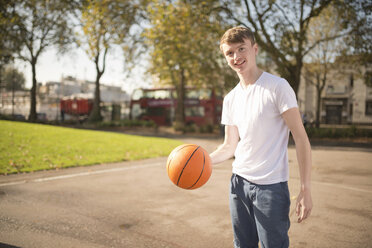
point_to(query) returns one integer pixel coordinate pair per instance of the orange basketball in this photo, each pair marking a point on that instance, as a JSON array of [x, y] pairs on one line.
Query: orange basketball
[[189, 166]]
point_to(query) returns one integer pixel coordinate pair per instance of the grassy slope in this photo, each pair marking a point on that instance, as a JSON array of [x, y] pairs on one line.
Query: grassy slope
[[28, 147]]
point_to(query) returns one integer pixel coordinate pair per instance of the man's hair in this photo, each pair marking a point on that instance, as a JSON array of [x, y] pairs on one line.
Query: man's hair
[[237, 35]]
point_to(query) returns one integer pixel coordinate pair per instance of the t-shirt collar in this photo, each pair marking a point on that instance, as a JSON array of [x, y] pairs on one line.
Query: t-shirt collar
[[258, 81]]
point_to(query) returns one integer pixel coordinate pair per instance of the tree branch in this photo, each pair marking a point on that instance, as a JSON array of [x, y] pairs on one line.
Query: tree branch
[[323, 40], [104, 60], [269, 45], [285, 16], [314, 12]]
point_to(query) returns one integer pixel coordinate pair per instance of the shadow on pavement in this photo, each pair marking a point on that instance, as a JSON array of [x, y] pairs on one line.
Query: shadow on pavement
[[2, 245]]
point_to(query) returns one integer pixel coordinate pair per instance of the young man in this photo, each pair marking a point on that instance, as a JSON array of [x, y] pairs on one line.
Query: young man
[[258, 115]]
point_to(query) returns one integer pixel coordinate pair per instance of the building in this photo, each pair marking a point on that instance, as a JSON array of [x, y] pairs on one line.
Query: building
[[50, 94], [21, 106], [345, 99]]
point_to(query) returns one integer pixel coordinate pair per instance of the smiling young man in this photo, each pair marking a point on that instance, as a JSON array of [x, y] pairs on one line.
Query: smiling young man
[[258, 115]]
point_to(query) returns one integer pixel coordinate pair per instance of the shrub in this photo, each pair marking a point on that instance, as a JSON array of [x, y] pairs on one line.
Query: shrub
[[179, 126], [126, 123], [206, 129], [336, 133]]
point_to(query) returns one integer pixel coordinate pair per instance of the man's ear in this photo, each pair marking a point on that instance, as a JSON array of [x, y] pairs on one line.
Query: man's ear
[[255, 47]]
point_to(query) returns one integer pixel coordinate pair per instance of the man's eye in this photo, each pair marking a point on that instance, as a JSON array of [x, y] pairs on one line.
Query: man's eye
[[241, 49]]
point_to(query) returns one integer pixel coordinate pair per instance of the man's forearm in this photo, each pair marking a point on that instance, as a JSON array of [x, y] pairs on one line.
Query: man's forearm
[[222, 153], [303, 151], [227, 149]]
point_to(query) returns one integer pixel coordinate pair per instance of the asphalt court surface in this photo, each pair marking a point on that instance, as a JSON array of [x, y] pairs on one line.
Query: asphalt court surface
[[134, 204]]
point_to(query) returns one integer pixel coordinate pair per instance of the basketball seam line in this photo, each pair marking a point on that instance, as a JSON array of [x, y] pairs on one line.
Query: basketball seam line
[[186, 164], [170, 161], [201, 173]]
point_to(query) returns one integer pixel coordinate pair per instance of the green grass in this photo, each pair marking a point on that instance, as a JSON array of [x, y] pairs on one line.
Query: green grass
[[26, 147]]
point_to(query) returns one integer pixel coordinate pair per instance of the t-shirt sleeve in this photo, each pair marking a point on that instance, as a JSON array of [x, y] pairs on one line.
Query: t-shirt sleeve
[[226, 118], [285, 96]]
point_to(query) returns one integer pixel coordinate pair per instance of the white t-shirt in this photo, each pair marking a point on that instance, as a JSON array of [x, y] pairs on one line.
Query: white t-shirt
[[261, 155]]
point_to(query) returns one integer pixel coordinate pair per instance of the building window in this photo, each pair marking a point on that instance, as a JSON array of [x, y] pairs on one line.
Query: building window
[[369, 108], [195, 111], [330, 89], [368, 78], [351, 81]]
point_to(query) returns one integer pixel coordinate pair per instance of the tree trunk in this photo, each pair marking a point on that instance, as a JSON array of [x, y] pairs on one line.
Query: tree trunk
[[1, 82], [33, 115], [317, 114], [13, 90], [95, 115], [180, 110], [297, 81], [293, 76]]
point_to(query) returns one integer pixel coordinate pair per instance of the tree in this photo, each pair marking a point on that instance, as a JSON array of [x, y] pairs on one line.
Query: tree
[[358, 56], [8, 47], [14, 80], [280, 29], [183, 40], [321, 59], [38, 25], [104, 24], [360, 38]]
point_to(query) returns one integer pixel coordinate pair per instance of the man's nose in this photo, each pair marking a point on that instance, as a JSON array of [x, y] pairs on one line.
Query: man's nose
[[236, 56]]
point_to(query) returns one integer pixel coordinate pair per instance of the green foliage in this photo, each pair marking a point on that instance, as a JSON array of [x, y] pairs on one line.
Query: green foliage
[[357, 17], [127, 123], [321, 58], [104, 24], [357, 57], [206, 129], [280, 29], [11, 117], [9, 46], [13, 79], [35, 25], [179, 127], [185, 36], [40, 24], [183, 41], [351, 132], [26, 147], [193, 128]]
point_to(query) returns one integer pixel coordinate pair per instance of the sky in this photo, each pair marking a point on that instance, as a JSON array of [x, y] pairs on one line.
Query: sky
[[52, 67]]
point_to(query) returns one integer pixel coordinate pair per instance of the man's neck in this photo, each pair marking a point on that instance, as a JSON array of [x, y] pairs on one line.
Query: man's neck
[[250, 77]]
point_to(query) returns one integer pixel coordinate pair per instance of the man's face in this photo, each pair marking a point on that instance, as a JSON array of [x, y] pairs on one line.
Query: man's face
[[241, 57]]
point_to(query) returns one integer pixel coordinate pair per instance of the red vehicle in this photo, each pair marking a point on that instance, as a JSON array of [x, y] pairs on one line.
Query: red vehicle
[[76, 106], [202, 106]]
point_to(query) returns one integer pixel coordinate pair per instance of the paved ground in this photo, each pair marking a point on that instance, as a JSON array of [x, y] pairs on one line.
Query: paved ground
[[134, 204]]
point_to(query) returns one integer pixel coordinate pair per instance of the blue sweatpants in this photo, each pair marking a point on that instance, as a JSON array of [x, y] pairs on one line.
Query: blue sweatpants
[[259, 213]]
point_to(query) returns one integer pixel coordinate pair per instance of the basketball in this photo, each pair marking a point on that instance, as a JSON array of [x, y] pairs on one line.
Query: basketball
[[189, 166]]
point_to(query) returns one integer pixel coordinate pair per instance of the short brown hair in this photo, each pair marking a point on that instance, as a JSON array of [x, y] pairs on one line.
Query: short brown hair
[[237, 35]]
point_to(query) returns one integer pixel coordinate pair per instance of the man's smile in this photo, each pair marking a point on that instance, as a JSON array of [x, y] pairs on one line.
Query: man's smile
[[239, 63]]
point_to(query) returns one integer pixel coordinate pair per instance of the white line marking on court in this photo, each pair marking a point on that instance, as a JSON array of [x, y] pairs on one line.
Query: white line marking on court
[[88, 173], [344, 187], [317, 182], [338, 185], [13, 183]]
